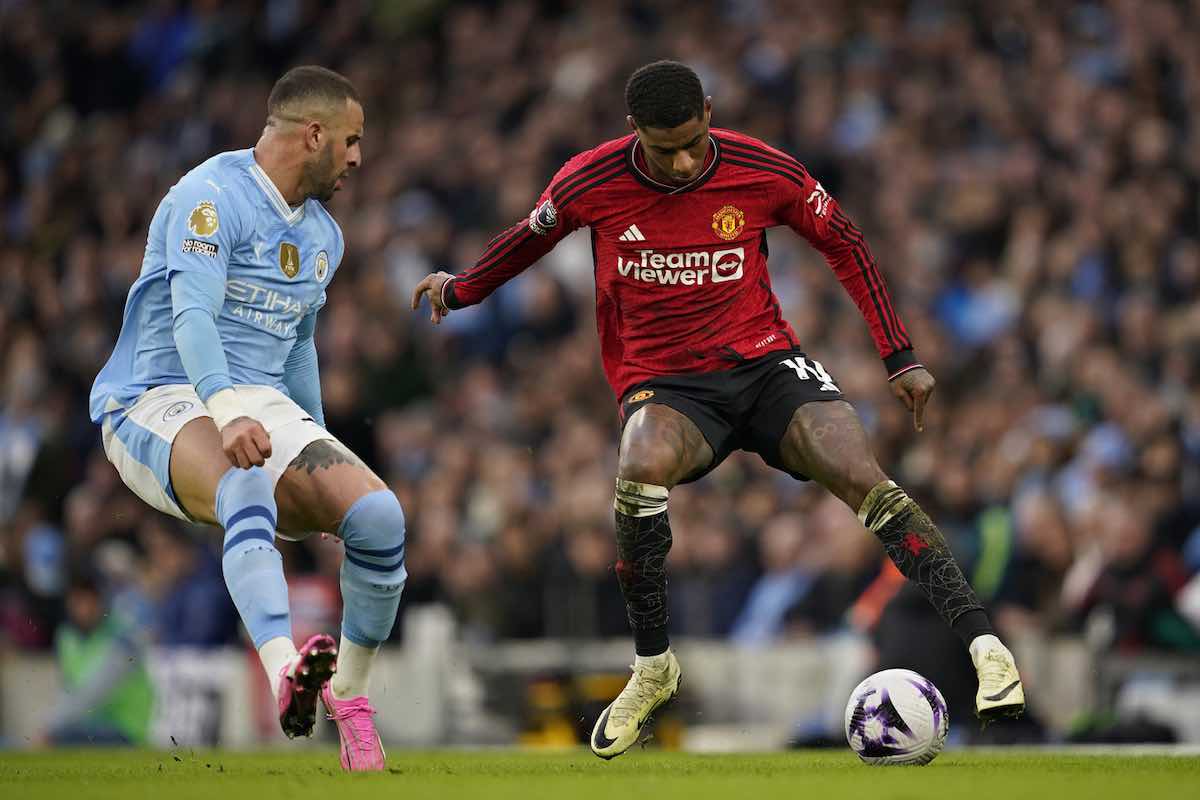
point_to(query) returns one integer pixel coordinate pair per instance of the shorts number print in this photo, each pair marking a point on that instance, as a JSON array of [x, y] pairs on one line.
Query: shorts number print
[[810, 369]]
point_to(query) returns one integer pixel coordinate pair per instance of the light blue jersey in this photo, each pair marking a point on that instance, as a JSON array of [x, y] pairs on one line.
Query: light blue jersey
[[224, 224]]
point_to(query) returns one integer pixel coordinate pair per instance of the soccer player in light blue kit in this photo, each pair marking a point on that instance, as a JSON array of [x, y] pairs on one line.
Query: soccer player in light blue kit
[[210, 404]]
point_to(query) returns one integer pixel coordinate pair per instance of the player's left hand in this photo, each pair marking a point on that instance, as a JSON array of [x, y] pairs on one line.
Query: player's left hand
[[246, 443], [914, 389], [432, 285]]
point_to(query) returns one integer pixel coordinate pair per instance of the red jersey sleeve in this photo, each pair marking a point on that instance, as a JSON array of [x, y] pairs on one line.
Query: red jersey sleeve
[[518, 247], [805, 207]]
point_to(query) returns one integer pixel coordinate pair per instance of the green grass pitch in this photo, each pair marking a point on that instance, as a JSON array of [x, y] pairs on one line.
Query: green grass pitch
[[654, 775]]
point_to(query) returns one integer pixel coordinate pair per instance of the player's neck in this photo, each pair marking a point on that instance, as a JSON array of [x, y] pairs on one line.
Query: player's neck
[[648, 167], [284, 172]]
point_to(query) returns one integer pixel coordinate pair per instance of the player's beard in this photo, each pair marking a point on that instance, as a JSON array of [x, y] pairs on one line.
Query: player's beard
[[320, 176]]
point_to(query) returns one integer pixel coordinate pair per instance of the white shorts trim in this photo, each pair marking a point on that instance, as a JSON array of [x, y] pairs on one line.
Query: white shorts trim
[[138, 439]]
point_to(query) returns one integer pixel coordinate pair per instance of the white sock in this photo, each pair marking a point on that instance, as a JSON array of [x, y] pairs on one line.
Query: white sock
[[353, 670], [658, 662], [274, 655], [981, 644]]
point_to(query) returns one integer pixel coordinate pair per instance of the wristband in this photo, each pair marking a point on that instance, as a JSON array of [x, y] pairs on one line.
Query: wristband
[[442, 294], [903, 370], [225, 407]]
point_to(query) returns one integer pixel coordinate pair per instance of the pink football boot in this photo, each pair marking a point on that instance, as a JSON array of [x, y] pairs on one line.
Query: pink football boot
[[301, 681], [361, 749]]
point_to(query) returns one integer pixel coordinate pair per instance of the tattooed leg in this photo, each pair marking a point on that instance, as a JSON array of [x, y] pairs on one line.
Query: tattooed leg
[[323, 454], [327, 488], [826, 442], [319, 487]]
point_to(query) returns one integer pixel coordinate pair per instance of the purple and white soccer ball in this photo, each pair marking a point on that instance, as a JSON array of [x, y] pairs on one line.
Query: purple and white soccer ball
[[896, 717]]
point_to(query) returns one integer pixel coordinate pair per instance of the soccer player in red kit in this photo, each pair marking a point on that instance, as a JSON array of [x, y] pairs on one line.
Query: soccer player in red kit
[[702, 362]]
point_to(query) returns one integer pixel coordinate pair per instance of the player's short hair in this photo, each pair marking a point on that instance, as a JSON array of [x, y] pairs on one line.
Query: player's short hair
[[305, 89], [664, 94]]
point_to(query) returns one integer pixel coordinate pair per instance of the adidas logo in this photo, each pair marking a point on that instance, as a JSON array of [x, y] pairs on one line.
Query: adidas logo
[[632, 234]]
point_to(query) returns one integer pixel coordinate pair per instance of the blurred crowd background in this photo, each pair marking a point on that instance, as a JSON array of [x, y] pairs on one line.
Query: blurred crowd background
[[1027, 174]]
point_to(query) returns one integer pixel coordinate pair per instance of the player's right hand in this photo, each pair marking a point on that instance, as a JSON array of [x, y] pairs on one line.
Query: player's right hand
[[246, 443], [914, 389], [432, 285]]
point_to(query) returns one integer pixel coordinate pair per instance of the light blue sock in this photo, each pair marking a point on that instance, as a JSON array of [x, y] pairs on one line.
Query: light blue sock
[[252, 566], [373, 571]]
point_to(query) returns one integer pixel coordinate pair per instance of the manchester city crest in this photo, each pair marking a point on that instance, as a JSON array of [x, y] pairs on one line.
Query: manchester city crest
[[177, 408], [322, 266]]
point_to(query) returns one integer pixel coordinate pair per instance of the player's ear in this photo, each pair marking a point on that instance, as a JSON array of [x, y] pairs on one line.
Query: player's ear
[[314, 135], [632, 124], [707, 109]]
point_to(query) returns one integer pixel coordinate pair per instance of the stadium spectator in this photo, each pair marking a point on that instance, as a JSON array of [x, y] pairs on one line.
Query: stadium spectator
[[107, 698]]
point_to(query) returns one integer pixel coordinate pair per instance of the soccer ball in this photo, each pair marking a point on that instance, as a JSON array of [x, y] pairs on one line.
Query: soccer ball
[[896, 717]]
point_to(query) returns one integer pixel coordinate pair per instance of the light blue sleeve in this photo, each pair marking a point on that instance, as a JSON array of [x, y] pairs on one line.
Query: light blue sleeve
[[204, 225], [301, 375], [196, 336], [202, 230]]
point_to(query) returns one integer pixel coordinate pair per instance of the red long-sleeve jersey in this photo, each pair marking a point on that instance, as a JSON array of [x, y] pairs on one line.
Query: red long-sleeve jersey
[[681, 271]]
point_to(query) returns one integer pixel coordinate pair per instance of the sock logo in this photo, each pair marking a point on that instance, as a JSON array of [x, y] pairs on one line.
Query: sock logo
[[915, 544]]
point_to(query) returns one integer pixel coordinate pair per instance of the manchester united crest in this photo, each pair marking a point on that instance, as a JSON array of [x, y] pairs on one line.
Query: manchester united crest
[[644, 394], [322, 265], [728, 222], [203, 219], [289, 259]]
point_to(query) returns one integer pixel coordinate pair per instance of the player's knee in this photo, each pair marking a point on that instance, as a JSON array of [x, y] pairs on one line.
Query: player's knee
[[373, 534], [656, 464], [854, 480], [240, 489], [255, 479]]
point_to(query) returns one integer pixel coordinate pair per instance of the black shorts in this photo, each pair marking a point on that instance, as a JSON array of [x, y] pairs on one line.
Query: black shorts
[[746, 408]]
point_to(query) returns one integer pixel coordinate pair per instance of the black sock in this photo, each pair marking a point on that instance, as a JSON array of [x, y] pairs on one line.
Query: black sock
[[922, 555], [972, 623], [642, 546]]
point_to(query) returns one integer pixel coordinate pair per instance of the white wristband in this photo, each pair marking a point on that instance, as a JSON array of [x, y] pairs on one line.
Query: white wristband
[[442, 293], [225, 407]]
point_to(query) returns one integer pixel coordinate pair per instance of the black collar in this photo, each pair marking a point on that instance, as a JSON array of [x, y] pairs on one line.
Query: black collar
[[663, 188]]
